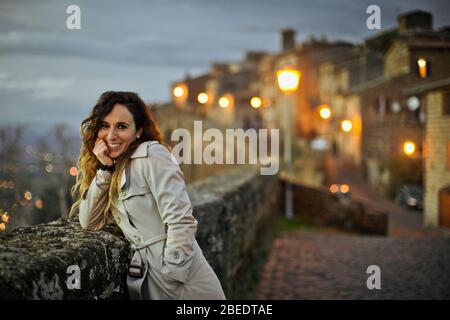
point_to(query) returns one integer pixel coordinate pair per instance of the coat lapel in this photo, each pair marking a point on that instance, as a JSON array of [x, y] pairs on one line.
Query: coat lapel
[[140, 152]]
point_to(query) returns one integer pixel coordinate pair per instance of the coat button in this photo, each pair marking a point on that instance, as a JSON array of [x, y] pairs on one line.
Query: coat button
[[118, 220], [176, 255]]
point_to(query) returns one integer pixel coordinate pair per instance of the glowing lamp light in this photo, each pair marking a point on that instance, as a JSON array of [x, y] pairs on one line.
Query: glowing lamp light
[[5, 217], [325, 112], [39, 204], [28, 195], [422, 64], [409, 148], [345, 188], [334, 188], [256, 102], [288, 79], [202, 98], [73, 171], [224, 102], [178, 91], [346, 125]]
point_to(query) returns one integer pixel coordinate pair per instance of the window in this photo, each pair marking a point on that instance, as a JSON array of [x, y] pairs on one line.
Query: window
[[423, 67]]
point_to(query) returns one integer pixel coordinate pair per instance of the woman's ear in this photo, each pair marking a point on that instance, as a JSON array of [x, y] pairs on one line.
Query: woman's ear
[[139, 133]]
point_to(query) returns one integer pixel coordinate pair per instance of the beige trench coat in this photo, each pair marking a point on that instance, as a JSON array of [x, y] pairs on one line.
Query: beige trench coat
[[155, 215]]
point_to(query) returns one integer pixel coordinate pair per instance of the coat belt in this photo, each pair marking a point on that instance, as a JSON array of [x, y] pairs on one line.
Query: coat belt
[[139, 267]]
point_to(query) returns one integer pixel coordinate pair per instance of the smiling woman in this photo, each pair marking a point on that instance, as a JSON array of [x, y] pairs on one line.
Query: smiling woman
[[118, 131], [126, 172]]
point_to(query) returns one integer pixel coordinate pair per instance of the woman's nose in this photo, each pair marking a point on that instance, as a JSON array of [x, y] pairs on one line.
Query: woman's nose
[[111, 134]]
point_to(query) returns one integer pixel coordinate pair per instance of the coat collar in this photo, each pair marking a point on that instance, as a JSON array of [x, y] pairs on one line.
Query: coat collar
[[140, 152]]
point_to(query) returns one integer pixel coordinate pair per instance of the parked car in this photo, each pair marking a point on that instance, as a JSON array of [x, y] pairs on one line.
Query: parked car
[[410, 195]]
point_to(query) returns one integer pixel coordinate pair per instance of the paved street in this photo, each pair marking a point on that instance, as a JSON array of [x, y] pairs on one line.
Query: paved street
[[402, 222], [330, 265], [322, 264]]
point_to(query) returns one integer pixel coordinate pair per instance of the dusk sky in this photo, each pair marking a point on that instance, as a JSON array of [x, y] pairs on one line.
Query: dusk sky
[[49, 74]]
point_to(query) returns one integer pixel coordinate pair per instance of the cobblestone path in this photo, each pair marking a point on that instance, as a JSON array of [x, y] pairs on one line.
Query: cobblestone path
[[305, 264]]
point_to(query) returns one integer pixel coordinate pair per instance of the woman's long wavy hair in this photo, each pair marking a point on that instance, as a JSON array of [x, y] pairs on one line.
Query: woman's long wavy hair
[[88, 163]]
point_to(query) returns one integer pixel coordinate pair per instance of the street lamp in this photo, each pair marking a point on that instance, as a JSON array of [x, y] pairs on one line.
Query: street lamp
[[256, 102], [346, 125], [202, 98], [288, 81], [179, 91], [224, 102], [409, 148], [325, 111]]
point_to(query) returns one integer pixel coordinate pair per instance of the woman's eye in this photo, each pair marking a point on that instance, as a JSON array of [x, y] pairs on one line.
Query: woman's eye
[[122, 127]]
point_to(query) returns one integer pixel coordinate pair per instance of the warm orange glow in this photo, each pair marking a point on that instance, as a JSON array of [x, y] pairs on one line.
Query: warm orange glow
[[266, 102], [39, 204], [178, 91], [409, 147], [288, 79], [2, 227], [325, 112], [202, 98], [5, 217], [224, 102], [73, 171], [345, 188], [334, 188], [256, 102], [346, 125], [422, 63], [28, 195]]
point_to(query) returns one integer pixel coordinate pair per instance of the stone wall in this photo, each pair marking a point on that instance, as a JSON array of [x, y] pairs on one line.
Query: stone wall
[[233, 210], [319, 206], [437, 148]]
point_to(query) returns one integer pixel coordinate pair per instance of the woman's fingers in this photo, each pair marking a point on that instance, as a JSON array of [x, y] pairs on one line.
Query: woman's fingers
[[101, 151]]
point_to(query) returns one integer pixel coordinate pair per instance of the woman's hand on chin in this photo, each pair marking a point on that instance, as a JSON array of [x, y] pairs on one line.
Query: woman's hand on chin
[[101, 152]]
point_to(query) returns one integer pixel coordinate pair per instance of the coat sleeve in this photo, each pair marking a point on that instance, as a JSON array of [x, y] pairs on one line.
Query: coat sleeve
[[166, 182], [92, 206]]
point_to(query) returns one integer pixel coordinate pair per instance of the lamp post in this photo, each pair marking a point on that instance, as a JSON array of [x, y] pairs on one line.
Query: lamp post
[[288, 80]]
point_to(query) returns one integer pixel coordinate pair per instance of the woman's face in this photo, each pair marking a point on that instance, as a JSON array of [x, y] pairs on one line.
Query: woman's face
[[118, 130]]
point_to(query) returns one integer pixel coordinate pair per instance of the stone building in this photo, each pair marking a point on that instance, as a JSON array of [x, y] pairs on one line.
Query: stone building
[[413, 54], [305, 101], [436, 97], [227, 90]]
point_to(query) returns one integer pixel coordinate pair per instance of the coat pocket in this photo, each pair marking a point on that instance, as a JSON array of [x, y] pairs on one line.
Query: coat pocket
[[175, 264], [167, 286]]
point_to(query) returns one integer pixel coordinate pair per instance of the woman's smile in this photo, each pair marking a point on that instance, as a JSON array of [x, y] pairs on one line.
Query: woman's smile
[[115, 149]]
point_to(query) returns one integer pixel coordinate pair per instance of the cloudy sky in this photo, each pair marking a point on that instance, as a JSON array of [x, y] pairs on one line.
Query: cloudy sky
[[49, 74]]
